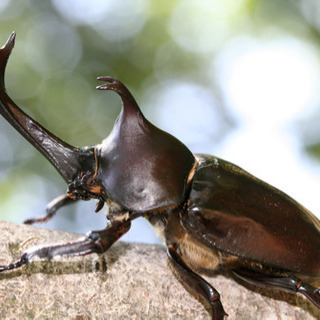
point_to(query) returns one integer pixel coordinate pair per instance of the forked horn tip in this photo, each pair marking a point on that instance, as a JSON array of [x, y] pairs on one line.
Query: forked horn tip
[[117, 86], [107, 78], [5, 52], [112, 84], [10, 42]]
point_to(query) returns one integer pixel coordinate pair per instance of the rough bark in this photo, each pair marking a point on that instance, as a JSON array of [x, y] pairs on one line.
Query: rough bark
[[138, 284]]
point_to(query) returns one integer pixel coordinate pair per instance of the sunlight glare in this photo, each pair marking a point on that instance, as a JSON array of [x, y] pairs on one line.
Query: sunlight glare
[[261, 79]]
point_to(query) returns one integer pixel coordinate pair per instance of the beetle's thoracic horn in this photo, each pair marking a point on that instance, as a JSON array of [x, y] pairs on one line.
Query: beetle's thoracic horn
[[65, 158], [143, 167]]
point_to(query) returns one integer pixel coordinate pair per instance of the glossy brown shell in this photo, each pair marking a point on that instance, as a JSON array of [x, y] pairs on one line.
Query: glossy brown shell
[[235, 212], [141, 167]]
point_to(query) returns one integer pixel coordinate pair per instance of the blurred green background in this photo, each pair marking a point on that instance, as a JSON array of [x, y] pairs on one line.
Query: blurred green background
[[237, 79]]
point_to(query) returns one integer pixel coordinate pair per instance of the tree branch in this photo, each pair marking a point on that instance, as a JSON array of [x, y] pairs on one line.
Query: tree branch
[[138, 284]]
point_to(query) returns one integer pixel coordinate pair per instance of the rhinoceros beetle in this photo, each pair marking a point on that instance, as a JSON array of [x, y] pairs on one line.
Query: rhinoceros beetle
[[210, 212]]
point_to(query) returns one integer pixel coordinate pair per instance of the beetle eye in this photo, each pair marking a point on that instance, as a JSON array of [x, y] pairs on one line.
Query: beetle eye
[[86, 178]]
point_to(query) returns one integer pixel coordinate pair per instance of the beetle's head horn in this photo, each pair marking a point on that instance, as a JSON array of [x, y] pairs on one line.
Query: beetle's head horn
[[140, 166], [68, 160]]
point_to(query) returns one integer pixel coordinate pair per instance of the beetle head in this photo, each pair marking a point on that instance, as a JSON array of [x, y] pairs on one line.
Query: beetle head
[[140, 166], [71, 162]]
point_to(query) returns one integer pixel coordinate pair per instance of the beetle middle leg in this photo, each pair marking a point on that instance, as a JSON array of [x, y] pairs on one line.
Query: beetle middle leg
[[51, 209], [197, 284], [290, 284], [94, 242]]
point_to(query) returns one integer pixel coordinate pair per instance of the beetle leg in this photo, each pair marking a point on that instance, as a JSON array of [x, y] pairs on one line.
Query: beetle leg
[[197, 284], [51, 209], [290, 284], [94, 242]]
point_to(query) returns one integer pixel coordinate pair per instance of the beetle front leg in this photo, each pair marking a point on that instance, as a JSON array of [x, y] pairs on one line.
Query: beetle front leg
[[286, 283], [197, 284], [94, 242], [51, 209]]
